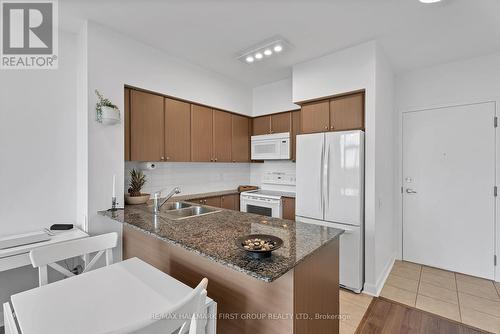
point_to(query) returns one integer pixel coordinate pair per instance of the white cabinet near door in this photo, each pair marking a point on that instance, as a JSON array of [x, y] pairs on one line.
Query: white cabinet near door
[[448, 182]]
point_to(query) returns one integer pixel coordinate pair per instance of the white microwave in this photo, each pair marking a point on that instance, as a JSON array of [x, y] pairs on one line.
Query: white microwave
[[271, 147]]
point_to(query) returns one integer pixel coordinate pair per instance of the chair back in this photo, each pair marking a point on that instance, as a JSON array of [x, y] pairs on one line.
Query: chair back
[[188, 316], [47, 256], [10, 326]]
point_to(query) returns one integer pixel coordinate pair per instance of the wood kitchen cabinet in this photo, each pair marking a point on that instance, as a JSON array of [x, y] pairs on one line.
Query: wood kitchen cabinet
[[261, 125], [177, 130], [230, 202], [347, 112], [281, 122], [222, 136], [240, 149], [146, 126], [213, 201], [315, 117], [275, 123], [339, 113], [201, 133], [288, 206], [127, 123]]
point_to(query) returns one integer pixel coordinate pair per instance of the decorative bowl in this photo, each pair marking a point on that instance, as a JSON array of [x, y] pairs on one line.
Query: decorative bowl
[[132, 200], [259, 253]]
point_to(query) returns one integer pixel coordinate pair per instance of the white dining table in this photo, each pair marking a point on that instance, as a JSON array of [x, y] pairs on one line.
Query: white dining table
[[101, 300]]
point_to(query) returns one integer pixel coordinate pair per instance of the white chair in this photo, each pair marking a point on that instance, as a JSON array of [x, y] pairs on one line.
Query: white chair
[[47, 256], [190, 310], [10, 326]]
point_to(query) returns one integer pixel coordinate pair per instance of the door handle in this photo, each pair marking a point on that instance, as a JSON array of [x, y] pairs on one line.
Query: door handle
[[410, 191]]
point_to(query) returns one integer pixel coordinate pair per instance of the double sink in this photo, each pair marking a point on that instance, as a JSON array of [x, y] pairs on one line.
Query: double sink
[[182, 210]]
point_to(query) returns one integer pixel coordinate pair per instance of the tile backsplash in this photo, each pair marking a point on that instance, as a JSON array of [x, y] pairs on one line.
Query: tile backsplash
[[191, 177], [195, 178]]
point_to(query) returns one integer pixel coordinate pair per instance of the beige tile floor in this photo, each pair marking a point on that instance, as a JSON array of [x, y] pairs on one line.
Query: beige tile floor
[[353, 307], [470, 300]]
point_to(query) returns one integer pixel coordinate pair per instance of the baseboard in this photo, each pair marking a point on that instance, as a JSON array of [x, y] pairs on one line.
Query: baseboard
[[375, 289]]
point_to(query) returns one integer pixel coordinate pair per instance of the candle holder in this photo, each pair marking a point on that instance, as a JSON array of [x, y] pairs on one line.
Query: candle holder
[[114, 204]]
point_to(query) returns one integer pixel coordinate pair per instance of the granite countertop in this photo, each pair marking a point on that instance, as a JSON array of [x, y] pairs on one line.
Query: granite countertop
[[213, 236]]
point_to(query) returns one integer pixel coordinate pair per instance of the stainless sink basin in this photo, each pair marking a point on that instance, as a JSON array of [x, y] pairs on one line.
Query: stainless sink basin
[[175, 206], [191, 211]]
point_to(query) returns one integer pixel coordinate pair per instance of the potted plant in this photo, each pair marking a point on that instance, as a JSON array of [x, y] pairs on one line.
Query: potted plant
[[106, 112], [137, 181]]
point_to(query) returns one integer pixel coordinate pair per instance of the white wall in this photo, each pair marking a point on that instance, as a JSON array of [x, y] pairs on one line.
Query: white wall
[[192, 177], [385, 244], [38, 150], [273, 97], [350, 70], [115, 60], [38, 113], [462, 82]]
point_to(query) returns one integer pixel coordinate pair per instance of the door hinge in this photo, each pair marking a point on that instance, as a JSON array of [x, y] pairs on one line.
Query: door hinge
[[495, 191], [495, 121], [401, 189], [495, 259]]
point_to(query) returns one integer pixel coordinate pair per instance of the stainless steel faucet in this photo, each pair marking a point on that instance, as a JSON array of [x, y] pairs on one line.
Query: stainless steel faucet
[[159, 203]]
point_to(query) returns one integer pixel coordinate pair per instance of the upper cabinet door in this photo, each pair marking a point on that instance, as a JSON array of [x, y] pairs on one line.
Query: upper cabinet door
[[201, 133], [146, 127], [281, 122], [222, 136], [261, 125], [177, 130], [127, 123], [347, 112], [241, 138], [315, 117]]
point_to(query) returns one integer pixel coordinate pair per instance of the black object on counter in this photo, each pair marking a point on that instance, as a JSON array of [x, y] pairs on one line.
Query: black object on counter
[[259, 252], [61, 227]]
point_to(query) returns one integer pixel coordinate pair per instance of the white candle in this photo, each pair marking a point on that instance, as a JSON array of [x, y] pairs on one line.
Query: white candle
[[114, 185]]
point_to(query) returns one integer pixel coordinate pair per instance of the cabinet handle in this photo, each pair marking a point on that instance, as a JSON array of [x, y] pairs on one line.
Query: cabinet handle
[[234, 160], [215, 159], [326, 127], [331, 127], [168, 158], [162, 158], [205, 202]]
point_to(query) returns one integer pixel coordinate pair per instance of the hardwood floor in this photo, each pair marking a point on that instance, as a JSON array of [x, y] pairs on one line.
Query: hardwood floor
[[385, 316]]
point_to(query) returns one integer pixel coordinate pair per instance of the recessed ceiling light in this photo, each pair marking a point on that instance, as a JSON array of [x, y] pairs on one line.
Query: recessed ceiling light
[[278, 48], [268, 52], [249, 59], [429, 1], [258, 55]]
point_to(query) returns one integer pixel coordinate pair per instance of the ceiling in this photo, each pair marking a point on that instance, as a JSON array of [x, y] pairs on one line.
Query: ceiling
[[211, 33]]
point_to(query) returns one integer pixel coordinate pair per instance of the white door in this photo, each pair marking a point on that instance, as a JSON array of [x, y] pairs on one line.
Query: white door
[[344, 177], [309, 174], [448, 183]]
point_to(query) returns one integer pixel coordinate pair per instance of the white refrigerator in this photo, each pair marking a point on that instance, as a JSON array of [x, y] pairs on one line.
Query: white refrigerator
[[329, 191]]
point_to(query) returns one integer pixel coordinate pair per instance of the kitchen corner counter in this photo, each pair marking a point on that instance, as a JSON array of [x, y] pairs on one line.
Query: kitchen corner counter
[[213, 236]]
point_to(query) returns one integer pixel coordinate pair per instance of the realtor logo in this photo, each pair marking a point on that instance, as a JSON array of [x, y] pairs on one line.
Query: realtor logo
[[29, 37]]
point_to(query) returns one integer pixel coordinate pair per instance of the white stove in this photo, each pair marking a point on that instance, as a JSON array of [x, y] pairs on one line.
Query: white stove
[[263, 202]]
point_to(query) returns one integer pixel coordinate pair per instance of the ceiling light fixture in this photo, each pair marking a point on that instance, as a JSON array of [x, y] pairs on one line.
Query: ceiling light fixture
[[264, 50], [429, 1]]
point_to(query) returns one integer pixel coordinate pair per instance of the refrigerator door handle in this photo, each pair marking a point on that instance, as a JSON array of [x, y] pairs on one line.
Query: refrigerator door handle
[[321, 166], [326, 184]]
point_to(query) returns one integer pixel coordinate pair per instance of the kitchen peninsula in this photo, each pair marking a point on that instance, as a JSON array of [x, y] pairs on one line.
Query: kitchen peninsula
[[296, 290]]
